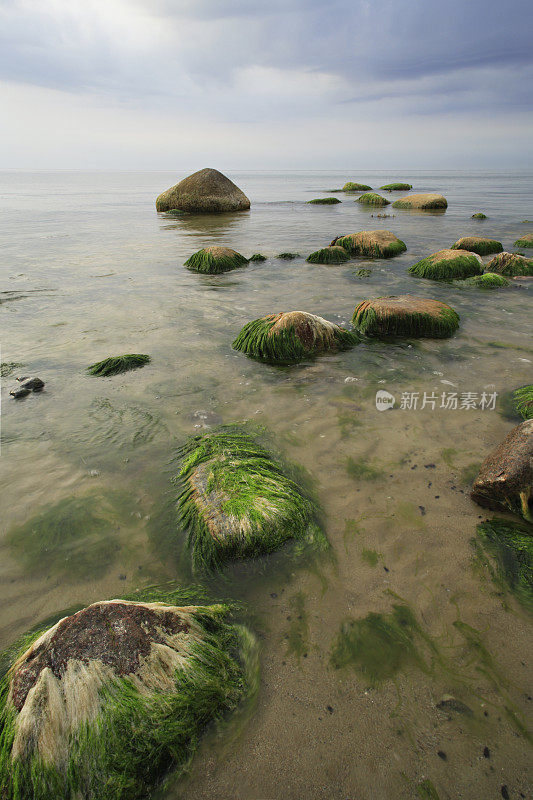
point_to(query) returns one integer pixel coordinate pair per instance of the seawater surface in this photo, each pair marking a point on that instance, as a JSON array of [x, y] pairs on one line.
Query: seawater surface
[[357, 650]]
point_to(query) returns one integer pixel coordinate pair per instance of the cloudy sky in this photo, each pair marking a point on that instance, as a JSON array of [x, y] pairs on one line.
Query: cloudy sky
[[276, 84]]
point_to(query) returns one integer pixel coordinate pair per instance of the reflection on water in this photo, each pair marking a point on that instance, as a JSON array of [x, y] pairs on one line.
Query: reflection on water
[[87, 465]]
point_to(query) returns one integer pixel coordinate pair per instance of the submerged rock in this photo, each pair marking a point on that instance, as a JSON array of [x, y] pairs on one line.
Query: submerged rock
[[107, 700], [19, 393], [479, 215], [424, 202], [396, 187], [353, 186], [329, 255], [215, 260], [206, 191], [290, 337], [375, 244], [405, 315], [525, 241], [237, 502], [373, 199], [505, 480], [511, 264], [288, 256], [258, 257], [448, 265], [115, 365], [489, 280], [478, 244], [324, 201]]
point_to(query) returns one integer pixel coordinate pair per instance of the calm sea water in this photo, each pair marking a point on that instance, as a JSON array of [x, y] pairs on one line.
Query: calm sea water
[[89, 269]]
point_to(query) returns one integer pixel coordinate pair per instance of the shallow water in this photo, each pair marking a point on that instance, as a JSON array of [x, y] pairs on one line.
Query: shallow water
[[90, 270]]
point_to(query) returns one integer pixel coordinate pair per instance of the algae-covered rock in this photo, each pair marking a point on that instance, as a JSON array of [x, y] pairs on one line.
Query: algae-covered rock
[[258, 257], [396, 187], [505, 480], [525, 241], [206, 191], [510, 545], [290, 337], [511, 264], [479, 215], [372, 199], [104, 702], [448, 265], [215, 260], [489, 280], [324, 201], [353, 186], [238, 502], [478, 244], [333, 254], [288, 256], [115, 365], [405, 315], [375, 244], [518, 403], [423, 202]]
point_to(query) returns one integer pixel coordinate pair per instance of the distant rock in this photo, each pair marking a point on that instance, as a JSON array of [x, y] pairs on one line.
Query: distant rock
[[324, 201], [423, 202], [207, 191], [396, 187], [479, 215], [352, 186], [215, 260], [372, 199]]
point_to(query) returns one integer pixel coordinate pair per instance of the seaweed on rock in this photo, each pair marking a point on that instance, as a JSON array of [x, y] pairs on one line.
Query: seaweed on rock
[[478, 244], [290, 337], [215, 260], [334, 254], [115, 365], [396, 187], [258, 257], [405, 316], [353, 186], [448, 265], [373, 199], [288, 256], [324, 201], [511, 264], [374, 244], [525, 241], [479, 215], [523, 401], [489, 280], [237, 501]]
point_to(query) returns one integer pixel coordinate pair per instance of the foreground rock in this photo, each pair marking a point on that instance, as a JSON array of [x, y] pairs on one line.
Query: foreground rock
[[505, 480], [448, 265], [237, 502], [206, 191], [405, 315], [215, 260], [290, 337], [478, 244], [375, 244], [424, 202], [105, 701], [329, 255], [511, 264], [372, 199], [525, 241]]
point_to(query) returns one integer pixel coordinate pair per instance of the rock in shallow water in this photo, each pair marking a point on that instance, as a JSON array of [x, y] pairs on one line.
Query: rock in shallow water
[[206, 191], [422, 202], [405, 316]]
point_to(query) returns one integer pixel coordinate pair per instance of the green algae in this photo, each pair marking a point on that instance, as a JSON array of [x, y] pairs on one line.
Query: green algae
[[360, 469], [415, 323], [298, 633], [352, 186], [288, 256], [447, 455], [469, 473], [426, 791], [8, 367], [396, 187], [365, 244], [371, 557], [489, 280], [73, 538], [237, 501], [215, 260], [115, 365], [324, 201], [479, 215], [448, 269], [363, 273], [517, 404], [258, 257], [334, 254], [511, 265], [525, 241], [373, 199], [475, 244], [510, 546]]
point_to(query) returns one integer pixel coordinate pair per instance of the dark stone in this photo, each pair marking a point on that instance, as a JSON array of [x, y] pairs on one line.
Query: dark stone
[[18, 393], [449, 703], [34, 385]]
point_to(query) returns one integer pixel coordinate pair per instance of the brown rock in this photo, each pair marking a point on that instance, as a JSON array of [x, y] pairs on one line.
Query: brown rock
[[206, 191]]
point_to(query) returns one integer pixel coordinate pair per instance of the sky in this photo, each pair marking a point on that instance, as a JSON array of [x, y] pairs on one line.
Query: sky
[[277, 84]]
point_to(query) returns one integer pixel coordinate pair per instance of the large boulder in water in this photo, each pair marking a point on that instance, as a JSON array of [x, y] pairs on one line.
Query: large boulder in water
[[511, 264], [448, 265], [505, 480], [478, 244], [105, 701], [405, 315], [207, 191], [423, 202], [375, 244]]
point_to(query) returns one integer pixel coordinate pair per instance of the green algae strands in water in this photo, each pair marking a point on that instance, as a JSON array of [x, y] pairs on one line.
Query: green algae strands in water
[[290, 337], [405, 316], [373, 199], [329, 255], [489, 280], [478, 244], [523, 400], [215, 260], [422, 202], [511, 546], [115, 365], [105, 702], [237, 502], [396, 187], [324, 201], [374, 244], [448, 265]]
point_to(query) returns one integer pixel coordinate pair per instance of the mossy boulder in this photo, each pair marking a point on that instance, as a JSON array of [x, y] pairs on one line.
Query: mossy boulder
[[290, 337], [353, 186], [448, 265], [375, 244], [324, 201], [479, 215], [489, 280], [405, 315], [396, 187], [478, 244], [103, 703], [505, 480], [215, 260], [288, 256], [511, 264], [372, 199], [258, 257], [334, 254], [525, 241], [207, 191], [423, 202], [115, 365], [238, 502]]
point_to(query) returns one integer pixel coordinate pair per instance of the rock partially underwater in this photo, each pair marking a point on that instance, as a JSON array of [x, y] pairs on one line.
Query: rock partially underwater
[[525, 241], [290, 337], [206, 191], [237, 501], [478, 244], [405, 316], [102, 704], [372, 199], [115, 365], [375, 244], [324, 201], [448, 265], [489, 280], [329, 255], [353, 186], [215, 260], [505, 480], [396, 187], [479, 215], [423, 202], [511, 264]]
